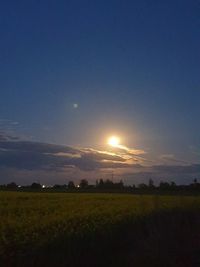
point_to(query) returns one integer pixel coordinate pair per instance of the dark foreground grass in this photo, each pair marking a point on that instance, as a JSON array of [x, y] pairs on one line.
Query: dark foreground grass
[[98, 230]]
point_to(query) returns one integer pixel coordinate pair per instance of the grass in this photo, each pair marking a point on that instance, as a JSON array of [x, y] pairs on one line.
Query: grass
[[71, 229]]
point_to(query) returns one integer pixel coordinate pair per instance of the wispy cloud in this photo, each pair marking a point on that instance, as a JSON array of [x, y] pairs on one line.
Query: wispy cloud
[[79, 162], [6, 124], [8, 137], [129, 151], [170, 158], [33, 155]]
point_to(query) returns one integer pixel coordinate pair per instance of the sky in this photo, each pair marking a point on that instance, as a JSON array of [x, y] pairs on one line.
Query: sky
[[73, 73]]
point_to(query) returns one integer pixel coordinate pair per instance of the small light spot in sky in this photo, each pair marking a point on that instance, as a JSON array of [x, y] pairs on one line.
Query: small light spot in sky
[[75, 105]]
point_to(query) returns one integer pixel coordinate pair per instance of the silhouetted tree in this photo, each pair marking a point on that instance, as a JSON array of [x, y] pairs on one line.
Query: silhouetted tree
[[101, 183], [195, 181], [195, 185], [71, 185], [57, 186], [151, 183], [133, 186], [83, 183], [121, 184], [164, 185], [36, 186], [142, 186], [108, 184], [173, 184], [12, 185]]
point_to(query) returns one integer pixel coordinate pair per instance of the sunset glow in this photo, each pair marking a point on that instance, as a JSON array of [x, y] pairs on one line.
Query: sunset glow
[[114, 141]]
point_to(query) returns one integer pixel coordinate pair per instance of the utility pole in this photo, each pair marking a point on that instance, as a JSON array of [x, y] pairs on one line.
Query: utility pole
[[112, 176]]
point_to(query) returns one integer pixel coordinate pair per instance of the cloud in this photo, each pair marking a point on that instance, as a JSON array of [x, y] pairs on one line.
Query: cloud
[[170, 158], [7, 137], [130, 155], [195, 150], [11, 130], [102, 155], [128, 151], [33, 155], [8, 125], [192, 169], [29, 146], [65, 162]]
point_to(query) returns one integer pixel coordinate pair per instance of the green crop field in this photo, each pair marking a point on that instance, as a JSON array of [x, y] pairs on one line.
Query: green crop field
[[77, 229]]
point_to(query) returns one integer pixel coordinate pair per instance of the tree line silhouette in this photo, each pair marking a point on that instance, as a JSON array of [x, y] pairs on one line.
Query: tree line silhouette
[[107, 186]]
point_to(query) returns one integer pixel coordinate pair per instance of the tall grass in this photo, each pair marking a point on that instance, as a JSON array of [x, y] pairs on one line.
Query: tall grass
[[75, 229]]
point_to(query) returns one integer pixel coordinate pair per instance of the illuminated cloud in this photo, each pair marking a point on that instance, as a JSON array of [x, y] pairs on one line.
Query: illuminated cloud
[[64, 162]]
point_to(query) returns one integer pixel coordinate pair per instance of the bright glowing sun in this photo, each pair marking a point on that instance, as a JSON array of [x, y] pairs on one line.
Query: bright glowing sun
[[113, 141]]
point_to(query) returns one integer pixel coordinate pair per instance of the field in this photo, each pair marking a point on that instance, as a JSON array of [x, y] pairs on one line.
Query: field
[[79, 229]]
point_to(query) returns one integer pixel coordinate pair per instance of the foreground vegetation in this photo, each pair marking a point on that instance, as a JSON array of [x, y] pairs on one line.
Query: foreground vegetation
[[59, 229]]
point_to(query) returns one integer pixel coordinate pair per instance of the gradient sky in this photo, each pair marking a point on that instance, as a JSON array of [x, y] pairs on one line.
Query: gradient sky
[[131, 67]]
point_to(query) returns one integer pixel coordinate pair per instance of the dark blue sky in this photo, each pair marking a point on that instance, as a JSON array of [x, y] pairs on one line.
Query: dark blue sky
[[131, 66]]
